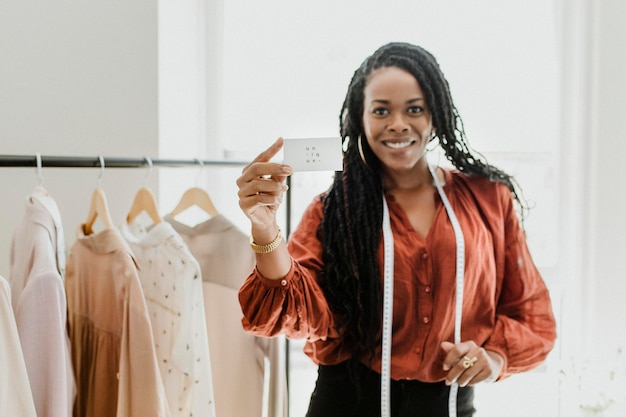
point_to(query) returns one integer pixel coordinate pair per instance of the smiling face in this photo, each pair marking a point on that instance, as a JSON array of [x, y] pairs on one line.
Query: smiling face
[[396, 120]]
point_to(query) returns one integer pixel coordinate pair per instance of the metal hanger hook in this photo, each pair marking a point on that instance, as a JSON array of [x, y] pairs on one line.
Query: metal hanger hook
[[101, 158], [39, 170], [150, 166], [201, 171]]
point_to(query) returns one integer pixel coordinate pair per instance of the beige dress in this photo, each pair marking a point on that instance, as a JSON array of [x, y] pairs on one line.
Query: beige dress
[[113, 354], [240, 362]]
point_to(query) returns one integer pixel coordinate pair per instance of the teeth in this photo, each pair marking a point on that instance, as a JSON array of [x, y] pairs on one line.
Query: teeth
[[399, 145]]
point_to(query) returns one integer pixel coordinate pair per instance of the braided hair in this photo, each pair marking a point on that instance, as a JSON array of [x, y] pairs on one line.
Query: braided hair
[[351, 229]]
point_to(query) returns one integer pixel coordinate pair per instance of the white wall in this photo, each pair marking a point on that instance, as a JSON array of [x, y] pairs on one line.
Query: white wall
[[591, 222], [189, 49], [607, 197], [119, 79], [76, 78]]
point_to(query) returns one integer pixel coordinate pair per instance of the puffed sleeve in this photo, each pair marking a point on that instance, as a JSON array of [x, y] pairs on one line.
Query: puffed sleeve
[[295, 305], [525, 328]]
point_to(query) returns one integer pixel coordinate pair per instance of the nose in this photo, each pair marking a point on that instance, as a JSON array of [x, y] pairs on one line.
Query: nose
[[398, 123]]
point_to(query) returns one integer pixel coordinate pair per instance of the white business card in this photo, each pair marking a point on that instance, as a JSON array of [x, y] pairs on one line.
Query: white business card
[[313, 154]]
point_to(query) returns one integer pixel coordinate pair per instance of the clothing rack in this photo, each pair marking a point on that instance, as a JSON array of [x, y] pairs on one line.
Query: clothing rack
[[33, 161], [15, 161], [102, 162]]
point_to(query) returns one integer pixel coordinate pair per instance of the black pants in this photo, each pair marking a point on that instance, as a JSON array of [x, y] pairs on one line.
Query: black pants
[[336, 395]]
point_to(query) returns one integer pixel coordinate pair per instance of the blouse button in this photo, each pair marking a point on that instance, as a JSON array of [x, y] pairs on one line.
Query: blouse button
[[427, 289], [424, 255], [426, 320], [283, 282]]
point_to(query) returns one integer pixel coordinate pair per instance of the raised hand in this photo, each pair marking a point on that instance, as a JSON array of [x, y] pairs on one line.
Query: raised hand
[[261, 189]]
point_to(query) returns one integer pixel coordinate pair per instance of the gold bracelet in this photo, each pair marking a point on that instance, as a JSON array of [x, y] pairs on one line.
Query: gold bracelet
[[270, 247]]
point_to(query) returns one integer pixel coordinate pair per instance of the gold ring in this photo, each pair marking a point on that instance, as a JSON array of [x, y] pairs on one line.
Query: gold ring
[[469, 362]]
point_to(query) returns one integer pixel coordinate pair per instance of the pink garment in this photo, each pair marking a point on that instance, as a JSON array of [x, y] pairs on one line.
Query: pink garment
[[39, 303], [113, 353]]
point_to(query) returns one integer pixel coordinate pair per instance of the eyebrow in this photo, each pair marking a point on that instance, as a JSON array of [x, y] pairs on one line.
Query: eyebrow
[[414, 100]]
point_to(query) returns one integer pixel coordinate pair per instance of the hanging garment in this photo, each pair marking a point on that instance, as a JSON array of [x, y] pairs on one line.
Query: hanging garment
[[115, 363], [237, 358], [16, 398], [39, 304], [172, 285]]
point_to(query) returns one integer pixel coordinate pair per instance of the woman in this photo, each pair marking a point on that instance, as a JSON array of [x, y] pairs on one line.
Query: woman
[[326, 285]]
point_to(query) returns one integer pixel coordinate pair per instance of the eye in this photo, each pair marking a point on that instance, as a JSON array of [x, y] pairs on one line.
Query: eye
[[380, 111], [416, 109]]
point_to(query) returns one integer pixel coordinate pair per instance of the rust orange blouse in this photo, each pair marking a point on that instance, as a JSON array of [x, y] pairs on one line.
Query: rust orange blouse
[[506, 307]]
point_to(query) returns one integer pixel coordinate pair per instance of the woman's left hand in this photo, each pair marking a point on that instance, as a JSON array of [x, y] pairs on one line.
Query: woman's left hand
[[468, 364]]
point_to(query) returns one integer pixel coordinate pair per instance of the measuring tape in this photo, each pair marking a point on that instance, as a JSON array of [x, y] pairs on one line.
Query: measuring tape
[[385, 372], [388, 274]]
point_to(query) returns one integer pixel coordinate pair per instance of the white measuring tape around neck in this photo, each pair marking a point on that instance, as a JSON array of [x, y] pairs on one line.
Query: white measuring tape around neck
[[388, 275]]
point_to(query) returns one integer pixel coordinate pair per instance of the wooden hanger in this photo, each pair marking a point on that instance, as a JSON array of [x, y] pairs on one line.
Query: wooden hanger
[[98, 209], [195, 196], [144, 201]]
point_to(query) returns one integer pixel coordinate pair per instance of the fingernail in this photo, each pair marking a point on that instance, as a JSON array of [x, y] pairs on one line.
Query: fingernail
[[446, 368], [285, 187], [286, 169]]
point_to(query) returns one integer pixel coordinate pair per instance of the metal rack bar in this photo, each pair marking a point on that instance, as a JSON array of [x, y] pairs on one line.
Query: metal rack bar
[[109, 162]]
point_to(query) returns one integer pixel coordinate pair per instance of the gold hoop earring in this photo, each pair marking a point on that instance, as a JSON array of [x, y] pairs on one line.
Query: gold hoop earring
[[432, 147], [360, 145], [433, 138]]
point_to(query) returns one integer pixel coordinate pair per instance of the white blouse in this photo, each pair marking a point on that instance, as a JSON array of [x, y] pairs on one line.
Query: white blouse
[[16, 398], [172, 285]]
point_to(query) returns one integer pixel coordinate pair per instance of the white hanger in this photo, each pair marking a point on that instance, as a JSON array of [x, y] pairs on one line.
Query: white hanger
[[39, 192], [42, 198], [39, 170]]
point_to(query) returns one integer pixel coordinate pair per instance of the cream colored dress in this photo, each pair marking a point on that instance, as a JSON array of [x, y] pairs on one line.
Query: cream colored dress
[[241, 362], [16, 398]]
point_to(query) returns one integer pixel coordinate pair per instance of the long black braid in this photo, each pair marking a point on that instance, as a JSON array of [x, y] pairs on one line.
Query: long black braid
[[351, 229]]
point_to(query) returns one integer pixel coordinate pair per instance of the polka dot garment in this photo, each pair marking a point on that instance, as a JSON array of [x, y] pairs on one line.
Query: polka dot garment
[[172, 285]]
